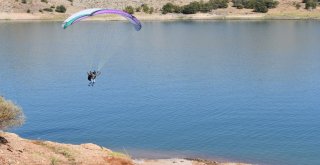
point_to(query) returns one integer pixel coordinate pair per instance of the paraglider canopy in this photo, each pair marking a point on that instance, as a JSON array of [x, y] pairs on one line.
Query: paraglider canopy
[[96, 11]]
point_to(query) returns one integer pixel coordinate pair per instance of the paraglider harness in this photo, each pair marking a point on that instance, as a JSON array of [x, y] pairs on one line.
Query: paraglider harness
[[92, 76]]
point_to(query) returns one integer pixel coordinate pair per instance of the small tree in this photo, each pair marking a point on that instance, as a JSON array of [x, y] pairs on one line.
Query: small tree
[[61, 9], [11, 115], [129, 9]]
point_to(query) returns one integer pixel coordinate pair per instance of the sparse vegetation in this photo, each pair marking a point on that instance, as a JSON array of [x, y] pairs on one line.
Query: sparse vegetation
[[298, 5], [261, 6], [28, 11], [195, 7], [11, 115], [44, 1], [129, 9], [61, 9], [118, 155], [24, 1], [48, 9], [54, 161]]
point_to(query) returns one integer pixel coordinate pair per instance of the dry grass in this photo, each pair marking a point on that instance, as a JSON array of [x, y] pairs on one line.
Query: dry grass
[[11, 115]]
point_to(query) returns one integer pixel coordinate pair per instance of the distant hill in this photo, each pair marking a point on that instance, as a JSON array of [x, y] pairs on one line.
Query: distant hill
[[40, 9], [17, 6]]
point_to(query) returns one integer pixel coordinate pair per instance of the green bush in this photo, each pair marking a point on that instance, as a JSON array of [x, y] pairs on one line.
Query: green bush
[[177, 9], [260, 7], [48, 9], [191, 8], [168, 8], [61, 9], [11, 115], [129, 9], [249, 4], [205, 7], [151, 10], [145, 8], [271, 3], [220, 3], [311, 4], [138, 9], [240, 6]]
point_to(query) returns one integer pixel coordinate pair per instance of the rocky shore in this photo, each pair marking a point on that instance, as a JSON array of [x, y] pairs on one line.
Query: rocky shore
[[15, 150]]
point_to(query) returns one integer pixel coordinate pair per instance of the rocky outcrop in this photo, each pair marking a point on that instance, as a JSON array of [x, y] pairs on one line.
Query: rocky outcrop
[[26, 152]]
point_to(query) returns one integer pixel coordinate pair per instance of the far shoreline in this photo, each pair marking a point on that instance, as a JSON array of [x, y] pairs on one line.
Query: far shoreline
[[26, 17]]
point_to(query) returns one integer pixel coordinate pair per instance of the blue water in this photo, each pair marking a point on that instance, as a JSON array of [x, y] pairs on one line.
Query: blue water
[[232, 90]]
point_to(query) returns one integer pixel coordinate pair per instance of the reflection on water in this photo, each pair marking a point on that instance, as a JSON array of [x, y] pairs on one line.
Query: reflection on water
[[241, 90]]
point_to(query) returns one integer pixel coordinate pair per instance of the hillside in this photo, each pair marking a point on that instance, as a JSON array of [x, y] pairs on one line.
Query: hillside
[[34, 9], [15, 150]]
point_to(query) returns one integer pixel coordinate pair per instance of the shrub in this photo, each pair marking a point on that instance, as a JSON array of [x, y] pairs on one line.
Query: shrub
[[151, 10], [145, 8], [271, 4], [138, 9], [48, 9], [260, 7], [298, 5], [191, 8], [311, 4], [221, 3], [11, 115], [205, 7], [240, 6], [44, 1], [177, 9], [168, 8], [129, 9], [24, 1], [61, 9], [249, 4], [28, 11], [52, 7], [40, 11]]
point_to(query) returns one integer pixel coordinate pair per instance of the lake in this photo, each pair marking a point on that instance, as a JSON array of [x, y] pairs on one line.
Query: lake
[[243, 91]]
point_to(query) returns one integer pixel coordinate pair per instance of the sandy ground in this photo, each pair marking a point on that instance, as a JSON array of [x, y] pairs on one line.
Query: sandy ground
[[19, 151]]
